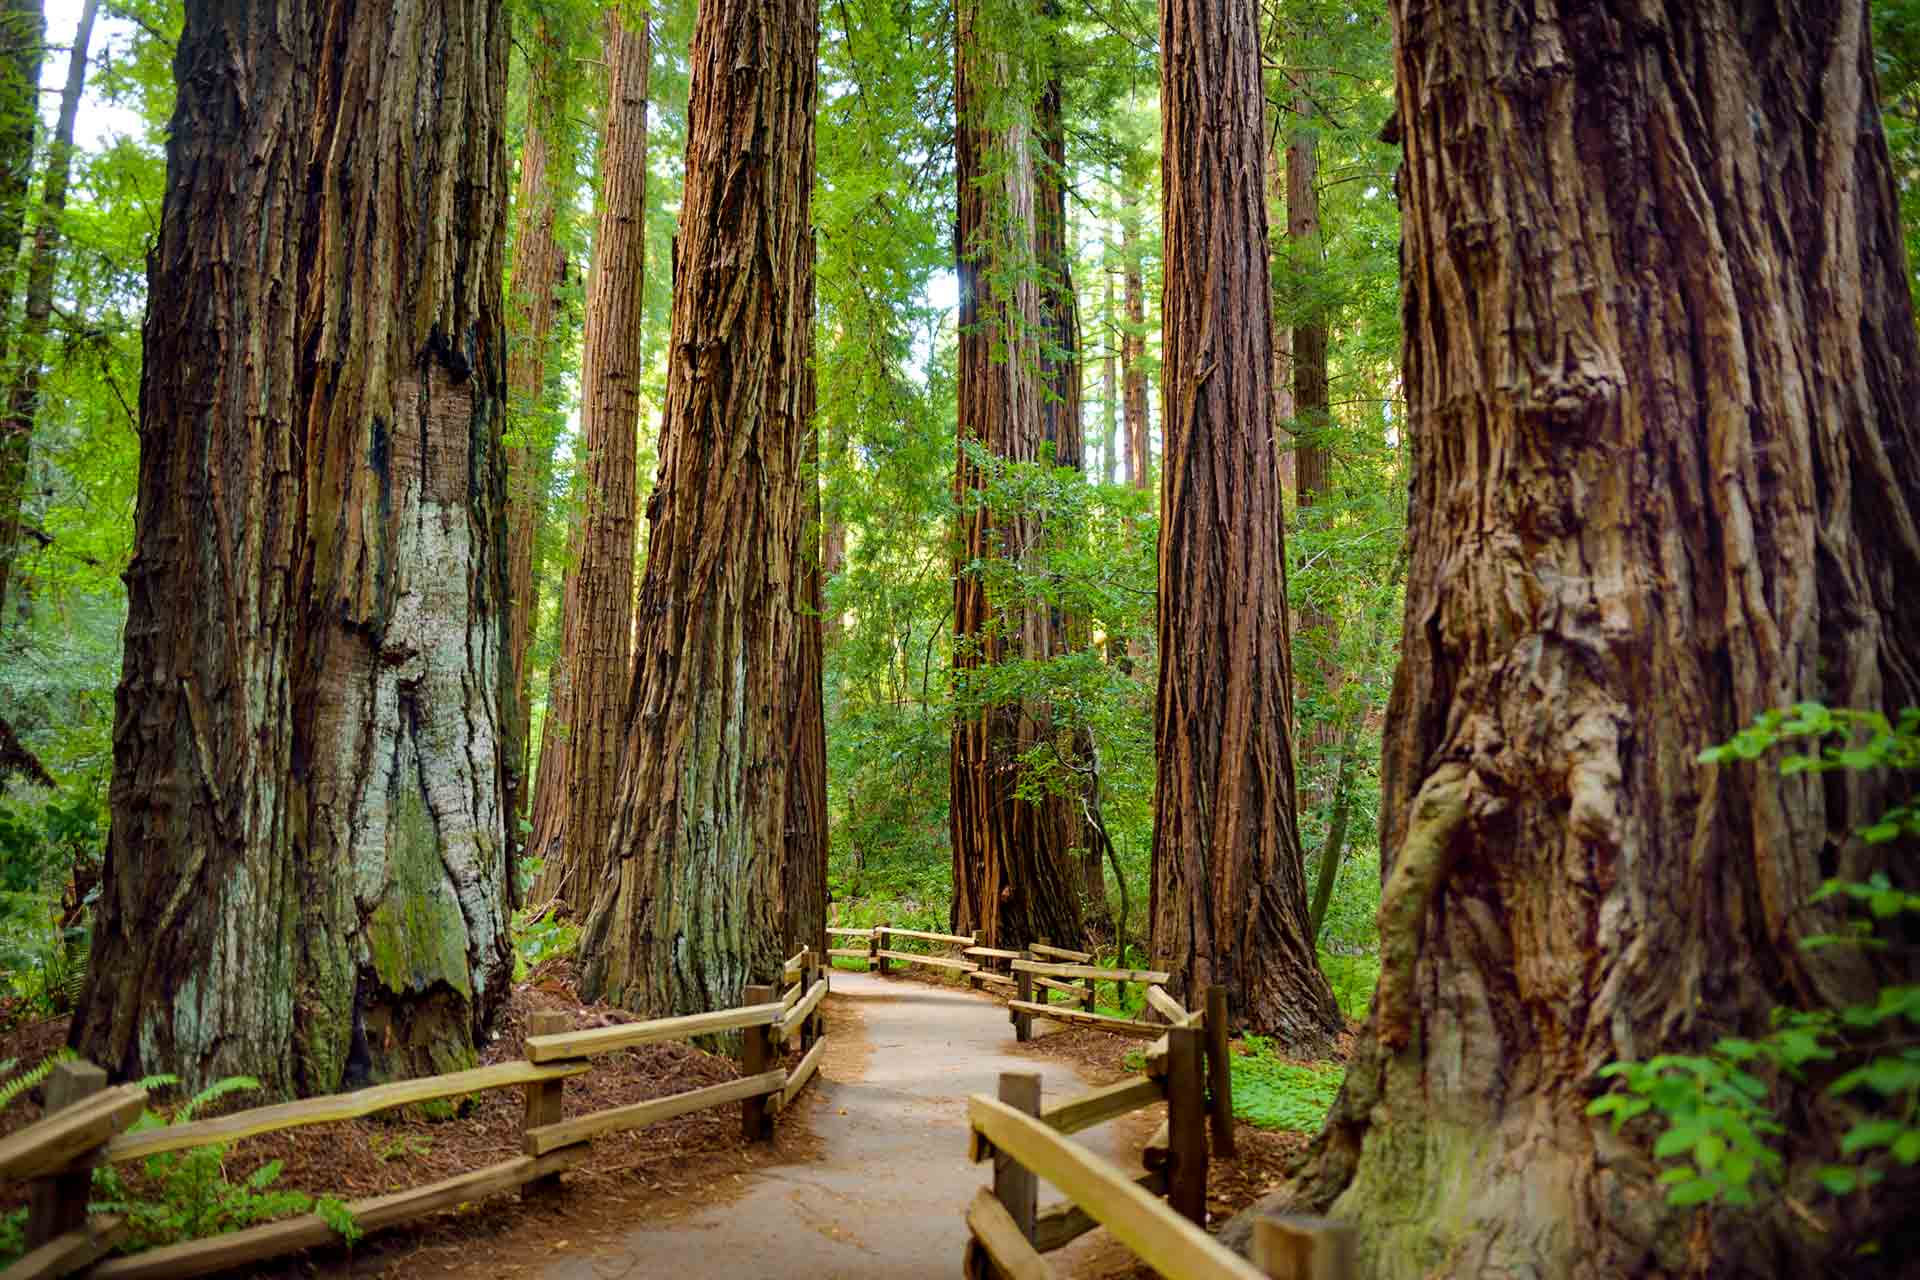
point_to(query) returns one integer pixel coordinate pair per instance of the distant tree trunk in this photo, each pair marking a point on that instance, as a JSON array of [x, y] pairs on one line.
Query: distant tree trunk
[[1661, 482], [537, 266], [28, 345], [1133, 341], [1061, 425], [1110, 388], [1313, 460], [833, 539], [22, 44], [575, 812], [1014, 879], [1229, 891], [803, 877], [306, 878], [693, 908], [1283, 408]]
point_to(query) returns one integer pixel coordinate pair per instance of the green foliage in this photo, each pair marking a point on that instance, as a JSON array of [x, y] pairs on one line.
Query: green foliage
[[1273, 1093], [1353, 977], [16, 1087], [538, 937], [188, 1195], [1717, 1113]]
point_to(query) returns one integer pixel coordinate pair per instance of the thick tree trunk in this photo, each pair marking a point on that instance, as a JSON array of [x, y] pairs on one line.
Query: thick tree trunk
[[575, 811], [22, 44], [537, 266], [1661, 368], [28, 346], [1282, 330], [306, 878], [1014, 879], [693, 909], [1229, 891]]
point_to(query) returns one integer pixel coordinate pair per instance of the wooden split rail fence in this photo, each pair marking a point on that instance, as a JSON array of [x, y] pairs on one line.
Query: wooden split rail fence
[[85, 1126], [1030, 976], [1010, 1234]]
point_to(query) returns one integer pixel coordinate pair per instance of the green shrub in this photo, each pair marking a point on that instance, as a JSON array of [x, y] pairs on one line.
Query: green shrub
[[1271, 1093]]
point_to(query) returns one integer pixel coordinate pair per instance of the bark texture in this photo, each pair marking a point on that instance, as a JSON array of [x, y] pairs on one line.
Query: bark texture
[[1229, 891], [1660, 369], [692, 911], [306, 878], [1014, 876], [22, 43], [574, 809], [538, 264]]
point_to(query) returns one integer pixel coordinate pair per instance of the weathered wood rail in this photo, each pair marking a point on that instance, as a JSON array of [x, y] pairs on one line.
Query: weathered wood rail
[[85, 1126], [1010, 1234]]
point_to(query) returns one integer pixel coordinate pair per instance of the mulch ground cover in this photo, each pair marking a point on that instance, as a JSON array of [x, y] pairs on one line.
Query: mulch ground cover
[[630, 1177]]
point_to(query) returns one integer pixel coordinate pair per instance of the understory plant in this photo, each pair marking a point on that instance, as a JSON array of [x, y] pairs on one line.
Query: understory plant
[[1721, 1128]]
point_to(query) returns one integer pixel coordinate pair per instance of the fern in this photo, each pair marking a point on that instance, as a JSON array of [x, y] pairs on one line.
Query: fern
[[10, 1091]]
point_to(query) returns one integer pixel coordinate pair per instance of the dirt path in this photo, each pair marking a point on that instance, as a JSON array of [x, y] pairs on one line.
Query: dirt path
[[882, 1197]]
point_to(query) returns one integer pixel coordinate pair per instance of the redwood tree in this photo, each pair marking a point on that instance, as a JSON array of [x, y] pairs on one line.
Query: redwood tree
[[538, 265], [1661, 372], [1229, 893], [22, 45], [306, 877], [692, 909], [580, 766], [1014, 877]]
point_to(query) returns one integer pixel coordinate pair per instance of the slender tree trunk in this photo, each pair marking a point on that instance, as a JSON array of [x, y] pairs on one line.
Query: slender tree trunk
[[693, 908], [803, 876], [306, 878], [537, 267], [1283, 406], [22, 44], [1110, 388], [1062, 426], [28, 345], [596, 657], [1661, 367], [1313, 460], [1133, 341], [1014, 879], [1229, 891], [833, 540]]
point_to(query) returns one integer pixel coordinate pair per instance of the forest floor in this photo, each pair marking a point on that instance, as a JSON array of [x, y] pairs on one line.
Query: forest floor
[[867, 1176]]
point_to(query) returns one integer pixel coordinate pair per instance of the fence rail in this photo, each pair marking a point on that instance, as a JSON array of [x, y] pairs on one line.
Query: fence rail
[[85, 1119], [1009, 1234]]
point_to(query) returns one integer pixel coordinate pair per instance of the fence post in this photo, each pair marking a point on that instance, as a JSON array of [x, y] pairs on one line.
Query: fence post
[[875, 961], [1015, 1185], [1087, 1001], [816, 1021], [756, 1118], [543, 1097], [1298, 1248], [58, 1204], [1023, 989], [1186, 1125], [1219, 1072]]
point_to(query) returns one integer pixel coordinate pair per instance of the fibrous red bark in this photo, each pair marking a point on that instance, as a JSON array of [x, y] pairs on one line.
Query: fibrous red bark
[[1660, 371], [692, 909], [1229, 891], [306, 877]]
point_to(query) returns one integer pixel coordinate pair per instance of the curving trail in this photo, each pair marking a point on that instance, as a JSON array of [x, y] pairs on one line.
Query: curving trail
[[882, 1198]]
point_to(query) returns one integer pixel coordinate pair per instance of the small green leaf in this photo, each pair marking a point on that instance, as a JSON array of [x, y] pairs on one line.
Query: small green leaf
[[1839, 1180], [1870, 1133]]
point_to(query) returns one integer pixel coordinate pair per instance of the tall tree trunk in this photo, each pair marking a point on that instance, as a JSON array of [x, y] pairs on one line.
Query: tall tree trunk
[[803, 876], [537, 266], [1661, 367], [1014, 879], [306, 876], [1229, 891], [22, 44], [1312, 459], [833, 539], [1061, 425], [28, 346], [1133, 340], [1110, 386], [575, 811], [693, 909]]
